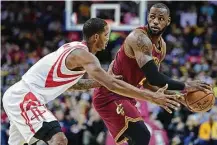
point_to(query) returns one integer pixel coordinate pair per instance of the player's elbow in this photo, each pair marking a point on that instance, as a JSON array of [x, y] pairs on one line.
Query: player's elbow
[[107, 81], [153, 76]]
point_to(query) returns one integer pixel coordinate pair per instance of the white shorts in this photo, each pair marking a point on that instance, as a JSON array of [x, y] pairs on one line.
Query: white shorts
[[26, 111]]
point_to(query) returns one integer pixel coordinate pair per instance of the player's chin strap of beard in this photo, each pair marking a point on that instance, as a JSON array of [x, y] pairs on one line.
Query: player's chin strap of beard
[[158, 34]]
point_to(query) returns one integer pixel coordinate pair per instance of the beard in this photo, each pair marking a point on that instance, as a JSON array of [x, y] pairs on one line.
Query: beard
[[156, 33]]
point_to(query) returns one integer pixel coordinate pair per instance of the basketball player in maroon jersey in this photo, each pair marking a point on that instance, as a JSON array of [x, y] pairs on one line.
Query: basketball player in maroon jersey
[[138, 57]]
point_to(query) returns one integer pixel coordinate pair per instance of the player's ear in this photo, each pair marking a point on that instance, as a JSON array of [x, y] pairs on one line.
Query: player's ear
[[169, 21], [96, 37]]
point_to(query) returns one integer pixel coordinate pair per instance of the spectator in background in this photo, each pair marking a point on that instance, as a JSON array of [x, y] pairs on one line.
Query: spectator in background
[[131, 19], [207, 9], [208, 132], [191, 130], [84, 13], [189, 17], [55, 25], [95, 131], [207, 12], [215, 87]]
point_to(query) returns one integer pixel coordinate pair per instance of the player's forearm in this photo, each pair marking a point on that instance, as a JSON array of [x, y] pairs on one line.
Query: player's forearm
[[85, 84], [124, 89], [161, 80], [156, 78], [156, 88], [119, 86], [168, 92], [146, 85]]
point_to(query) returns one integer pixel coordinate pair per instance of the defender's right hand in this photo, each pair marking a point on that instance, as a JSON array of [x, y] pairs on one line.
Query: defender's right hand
[[165, 101], [180, 98]]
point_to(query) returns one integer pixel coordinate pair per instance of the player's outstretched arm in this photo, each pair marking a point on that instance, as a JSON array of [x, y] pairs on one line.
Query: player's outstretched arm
[[85, 84], [142, 48], [91, 64]]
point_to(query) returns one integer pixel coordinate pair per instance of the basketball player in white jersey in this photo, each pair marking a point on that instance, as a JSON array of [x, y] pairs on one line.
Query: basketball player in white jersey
[[24, 102]]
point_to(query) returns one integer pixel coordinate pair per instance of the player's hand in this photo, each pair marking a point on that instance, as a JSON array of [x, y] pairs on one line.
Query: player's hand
[[181, 99], [197, 85], [166, 101]]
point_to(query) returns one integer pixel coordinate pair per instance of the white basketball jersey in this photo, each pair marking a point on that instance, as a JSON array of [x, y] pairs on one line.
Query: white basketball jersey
[[49, 77]]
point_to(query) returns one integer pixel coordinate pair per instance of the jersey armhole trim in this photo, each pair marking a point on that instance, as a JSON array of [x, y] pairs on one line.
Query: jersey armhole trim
[[84, 48]]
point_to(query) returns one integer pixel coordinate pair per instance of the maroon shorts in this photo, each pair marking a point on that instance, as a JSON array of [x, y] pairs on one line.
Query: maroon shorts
[[116, 112]]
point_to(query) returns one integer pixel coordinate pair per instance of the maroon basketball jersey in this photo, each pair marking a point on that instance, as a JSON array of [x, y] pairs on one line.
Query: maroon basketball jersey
[[127, 66]]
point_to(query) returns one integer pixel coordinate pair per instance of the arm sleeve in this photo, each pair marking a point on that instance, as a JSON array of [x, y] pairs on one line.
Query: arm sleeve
[[156, 78]]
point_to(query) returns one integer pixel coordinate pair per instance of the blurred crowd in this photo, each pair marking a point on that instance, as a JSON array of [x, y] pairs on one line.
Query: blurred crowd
[[30, 30]]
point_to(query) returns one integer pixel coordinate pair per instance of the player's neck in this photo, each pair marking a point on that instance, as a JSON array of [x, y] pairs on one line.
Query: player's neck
[[155, 39], [90, 46], [93, 52]]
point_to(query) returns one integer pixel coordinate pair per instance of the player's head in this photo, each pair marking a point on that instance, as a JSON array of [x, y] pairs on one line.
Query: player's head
[[158, 18], [96, 33]]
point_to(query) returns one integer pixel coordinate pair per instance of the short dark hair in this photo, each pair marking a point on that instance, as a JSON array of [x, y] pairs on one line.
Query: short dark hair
[[93, 26], [161, 5]]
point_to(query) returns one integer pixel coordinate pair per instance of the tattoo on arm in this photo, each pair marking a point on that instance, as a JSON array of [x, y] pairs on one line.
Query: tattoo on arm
[[143, 50], [140, 41], [85, 84], [144, 44]]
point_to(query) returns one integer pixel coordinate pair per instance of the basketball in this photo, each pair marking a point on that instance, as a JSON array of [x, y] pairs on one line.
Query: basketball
[[200, 101]]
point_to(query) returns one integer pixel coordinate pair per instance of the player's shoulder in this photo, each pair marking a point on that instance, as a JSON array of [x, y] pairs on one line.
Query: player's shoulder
[[74, 47], [139, 33], [139, 36], [75, 44], [79, 49]]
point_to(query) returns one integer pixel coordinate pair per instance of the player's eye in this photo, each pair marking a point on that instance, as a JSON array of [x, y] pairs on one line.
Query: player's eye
[[161, 19], [152, 17]]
